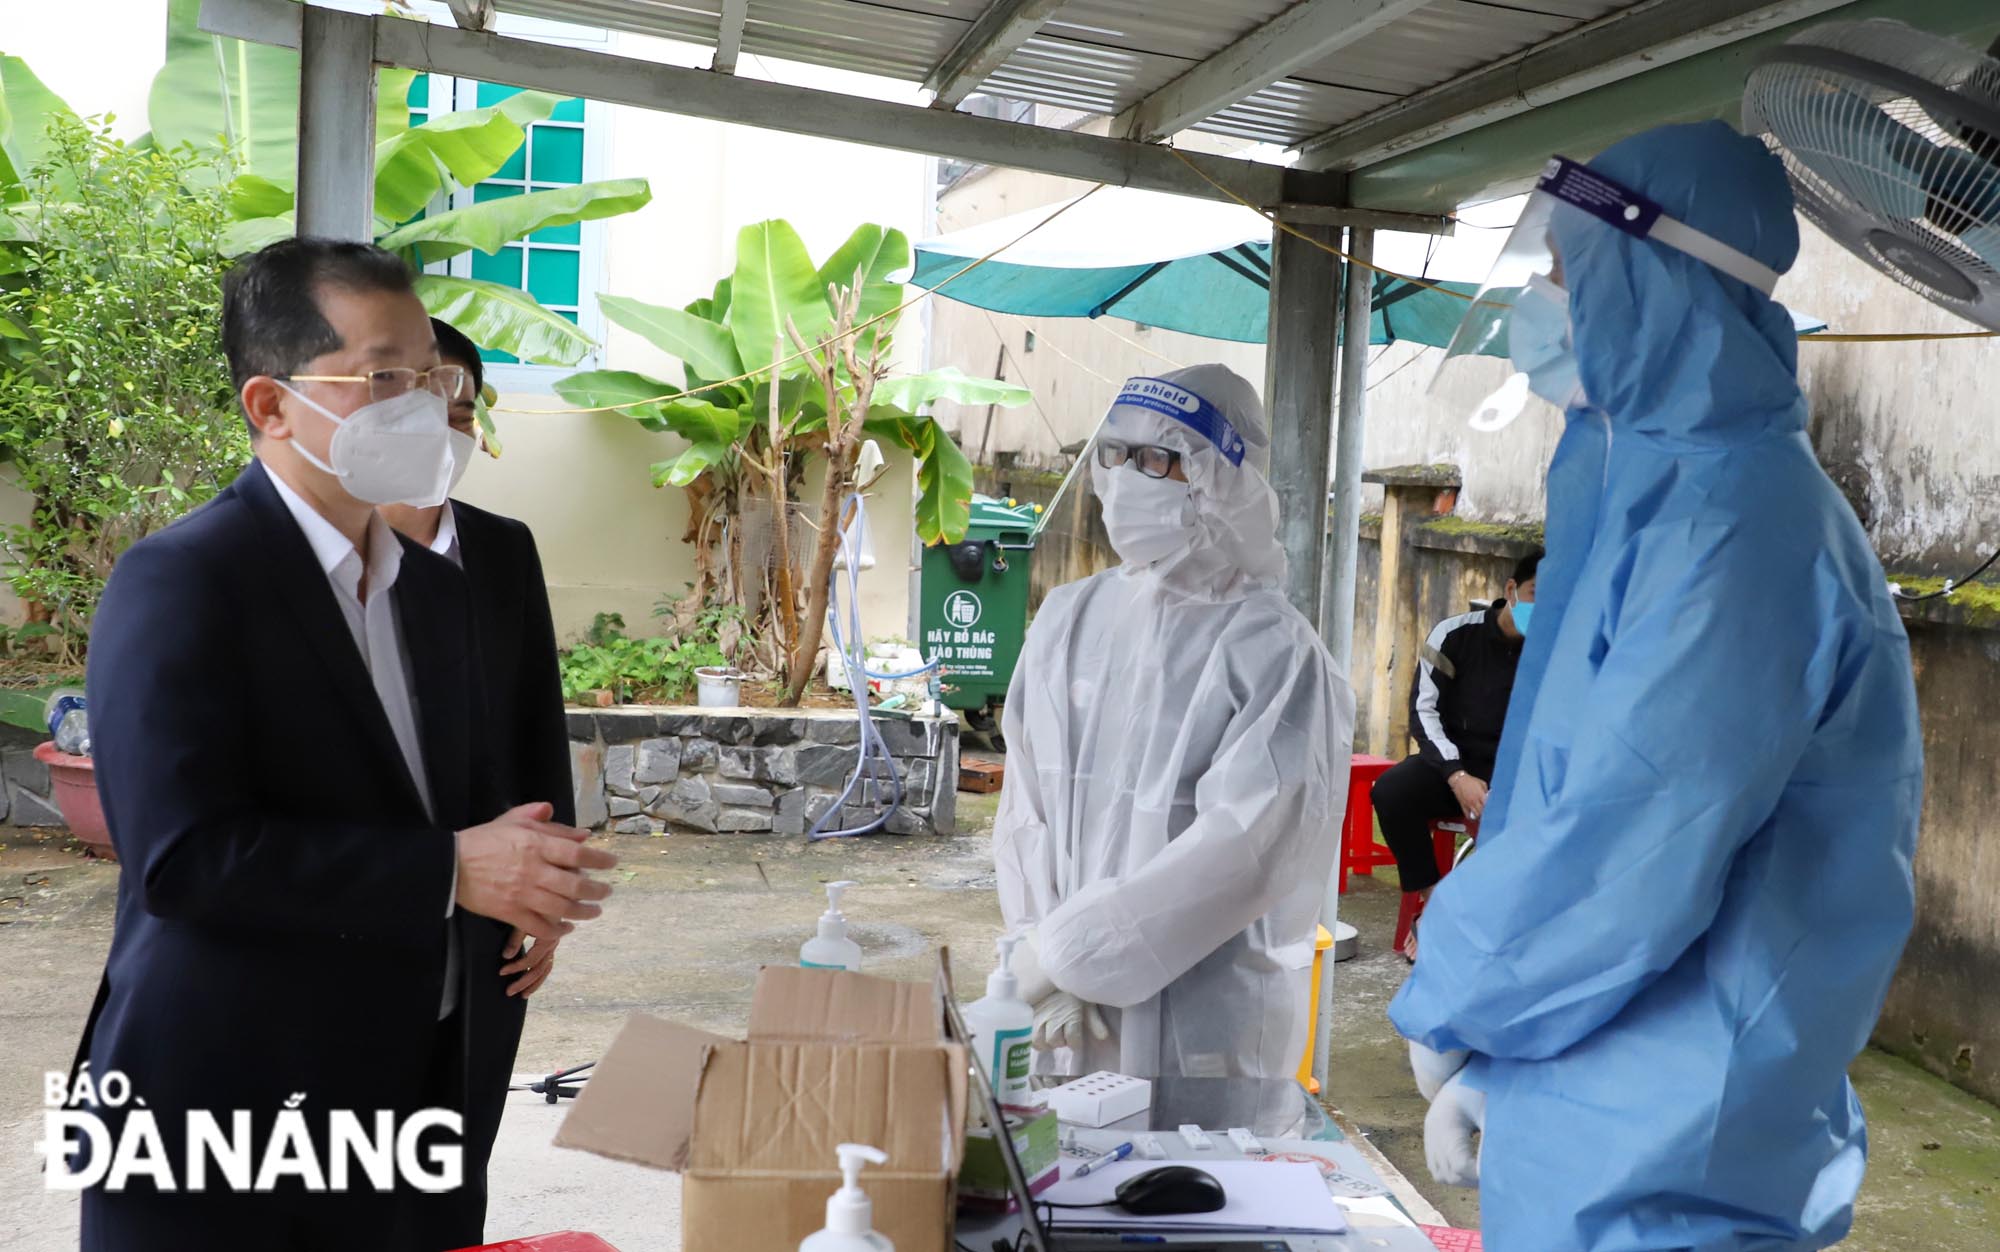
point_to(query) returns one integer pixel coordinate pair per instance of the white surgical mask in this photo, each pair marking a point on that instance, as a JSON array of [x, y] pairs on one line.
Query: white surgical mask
[[1150, 519], [463, 447], [395, 451]]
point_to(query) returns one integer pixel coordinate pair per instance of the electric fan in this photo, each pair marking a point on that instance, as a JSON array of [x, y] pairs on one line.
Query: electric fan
[[1891, 138]]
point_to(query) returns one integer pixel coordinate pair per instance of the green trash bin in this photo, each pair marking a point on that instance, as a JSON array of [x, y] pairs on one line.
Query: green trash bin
[[975, 605]]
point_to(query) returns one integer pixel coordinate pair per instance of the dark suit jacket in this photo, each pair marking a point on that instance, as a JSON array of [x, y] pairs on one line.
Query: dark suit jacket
[[526, 742], [281, 922], [517, 642]]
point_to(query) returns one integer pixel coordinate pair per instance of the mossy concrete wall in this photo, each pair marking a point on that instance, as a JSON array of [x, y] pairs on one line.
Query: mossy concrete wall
[[1943, 1011], [1451, 564]]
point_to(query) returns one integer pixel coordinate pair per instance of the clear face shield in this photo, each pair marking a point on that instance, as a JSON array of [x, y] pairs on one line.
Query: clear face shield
[[1521, 312]]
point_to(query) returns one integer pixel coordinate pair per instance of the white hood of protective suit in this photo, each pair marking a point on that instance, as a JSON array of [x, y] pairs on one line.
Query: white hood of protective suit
[[1234, 548], [1177, 752]]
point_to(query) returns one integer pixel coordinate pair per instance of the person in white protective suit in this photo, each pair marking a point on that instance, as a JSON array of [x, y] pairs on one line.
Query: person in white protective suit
[[1177, 753]]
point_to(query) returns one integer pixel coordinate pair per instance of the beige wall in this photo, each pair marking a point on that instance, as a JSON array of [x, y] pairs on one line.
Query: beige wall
[[610, 540]]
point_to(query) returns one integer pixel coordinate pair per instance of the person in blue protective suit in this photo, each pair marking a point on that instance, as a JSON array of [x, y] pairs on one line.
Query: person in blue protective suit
[[1694, 881]]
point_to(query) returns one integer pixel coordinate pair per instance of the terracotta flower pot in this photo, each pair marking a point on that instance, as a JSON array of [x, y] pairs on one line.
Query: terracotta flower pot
[[73, 779]]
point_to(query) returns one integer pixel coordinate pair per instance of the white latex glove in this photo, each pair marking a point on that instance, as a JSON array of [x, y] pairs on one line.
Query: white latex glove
[[1434, 1069], [1034, 985], [1458, 1111], [1061, 1020]]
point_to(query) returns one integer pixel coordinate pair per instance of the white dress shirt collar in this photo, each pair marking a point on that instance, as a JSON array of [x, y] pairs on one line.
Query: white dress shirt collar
[[445, 543], [333, 549]]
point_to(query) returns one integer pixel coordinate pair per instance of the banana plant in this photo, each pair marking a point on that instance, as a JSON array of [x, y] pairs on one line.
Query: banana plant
[[781, 365], [242, 99]]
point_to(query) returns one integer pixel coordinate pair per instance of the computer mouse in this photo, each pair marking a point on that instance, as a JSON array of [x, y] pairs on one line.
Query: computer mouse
[[1171, 1189]]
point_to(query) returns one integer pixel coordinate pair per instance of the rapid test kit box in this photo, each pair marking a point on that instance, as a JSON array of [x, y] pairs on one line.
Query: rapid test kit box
[[751, 1125]]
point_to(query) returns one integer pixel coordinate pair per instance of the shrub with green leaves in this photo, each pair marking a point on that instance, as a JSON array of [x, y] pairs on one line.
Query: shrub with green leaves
[[655, 671], [115, 401]]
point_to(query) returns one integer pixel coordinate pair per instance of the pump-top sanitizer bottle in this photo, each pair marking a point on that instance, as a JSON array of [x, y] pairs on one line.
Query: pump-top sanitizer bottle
[[831, 948], [1001, 1024], [850, 1215]]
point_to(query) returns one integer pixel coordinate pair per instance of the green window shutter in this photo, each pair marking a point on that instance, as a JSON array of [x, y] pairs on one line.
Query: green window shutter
[[555, 277], [549, 263]]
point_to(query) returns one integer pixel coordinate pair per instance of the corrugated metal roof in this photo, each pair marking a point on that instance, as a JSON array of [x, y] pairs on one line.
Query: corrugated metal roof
[[1104, 56]]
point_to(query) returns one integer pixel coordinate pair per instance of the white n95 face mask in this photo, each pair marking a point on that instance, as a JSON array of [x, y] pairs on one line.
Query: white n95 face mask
[[1149, 519], [463, 448], [395, 451]]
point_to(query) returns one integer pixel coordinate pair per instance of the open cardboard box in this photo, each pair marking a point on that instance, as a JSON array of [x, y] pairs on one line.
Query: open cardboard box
[[751, 1125]]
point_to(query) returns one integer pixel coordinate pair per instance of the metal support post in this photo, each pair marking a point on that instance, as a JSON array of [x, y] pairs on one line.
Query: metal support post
[[1298, 397], [1337, 616], [336, 183]]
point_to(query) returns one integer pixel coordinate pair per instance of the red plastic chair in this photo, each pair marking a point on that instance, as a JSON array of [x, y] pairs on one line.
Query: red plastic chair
[[1444, 846], [1359, 853]]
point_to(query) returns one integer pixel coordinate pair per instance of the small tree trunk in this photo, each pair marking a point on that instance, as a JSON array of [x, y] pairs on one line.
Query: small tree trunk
[[838, 470], [781, 537]]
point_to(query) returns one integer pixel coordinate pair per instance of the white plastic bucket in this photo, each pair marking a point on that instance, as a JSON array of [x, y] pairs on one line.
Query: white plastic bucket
[[718, 688]]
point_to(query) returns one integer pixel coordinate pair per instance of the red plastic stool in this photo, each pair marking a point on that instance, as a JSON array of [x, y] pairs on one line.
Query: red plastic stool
[[560, 1241], [1444, 838], [1359, 853]]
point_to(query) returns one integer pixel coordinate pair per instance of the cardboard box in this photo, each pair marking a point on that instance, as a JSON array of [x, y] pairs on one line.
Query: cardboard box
[[751, 1125]]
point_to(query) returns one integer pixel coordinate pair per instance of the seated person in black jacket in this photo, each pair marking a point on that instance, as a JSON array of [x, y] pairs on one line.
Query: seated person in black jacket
[[1458, 703]]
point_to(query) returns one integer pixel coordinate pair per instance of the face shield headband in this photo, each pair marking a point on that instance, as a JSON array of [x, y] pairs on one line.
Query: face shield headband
[[1187, 408], [1528, 266]]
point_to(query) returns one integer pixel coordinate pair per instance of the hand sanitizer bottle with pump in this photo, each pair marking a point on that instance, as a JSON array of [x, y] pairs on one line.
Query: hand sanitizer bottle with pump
[[831, 948], [850, 1215], [1001, 1024]]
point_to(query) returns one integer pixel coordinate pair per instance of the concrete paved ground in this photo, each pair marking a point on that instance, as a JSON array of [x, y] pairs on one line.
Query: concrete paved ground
[[696, 916]]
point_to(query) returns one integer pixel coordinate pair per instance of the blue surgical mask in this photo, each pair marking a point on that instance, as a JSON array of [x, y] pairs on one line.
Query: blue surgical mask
[[1538, 340], [1523, 610]]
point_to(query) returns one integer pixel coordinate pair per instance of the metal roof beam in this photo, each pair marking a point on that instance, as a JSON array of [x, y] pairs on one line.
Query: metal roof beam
[[797, 110], [729, 35], [1505, 157], [1615, 47], [985, 47], [1302, 35]]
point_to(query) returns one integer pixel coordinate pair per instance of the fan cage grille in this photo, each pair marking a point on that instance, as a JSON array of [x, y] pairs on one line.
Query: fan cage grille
[[1868, 162]]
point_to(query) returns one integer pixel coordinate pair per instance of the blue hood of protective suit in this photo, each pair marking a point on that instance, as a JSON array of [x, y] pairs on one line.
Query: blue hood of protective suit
[[1659, 365], [1693, 879]]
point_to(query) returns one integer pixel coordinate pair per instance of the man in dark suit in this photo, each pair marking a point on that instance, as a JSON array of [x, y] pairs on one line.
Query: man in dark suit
[[528, 733], [318, 874]]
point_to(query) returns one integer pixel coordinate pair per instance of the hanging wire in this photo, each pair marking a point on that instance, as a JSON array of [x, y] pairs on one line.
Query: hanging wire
[[1020, 372], [1101, 325], [1950, 585]]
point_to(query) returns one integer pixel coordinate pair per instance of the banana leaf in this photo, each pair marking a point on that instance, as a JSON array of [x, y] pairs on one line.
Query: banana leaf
[[705, 346], [913, 391], [774, 283], [26, 105], [504, 319], [492, 225], [469, 145]]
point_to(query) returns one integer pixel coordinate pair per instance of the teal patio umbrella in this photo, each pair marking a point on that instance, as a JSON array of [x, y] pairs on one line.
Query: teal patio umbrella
[[1196, 266]]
